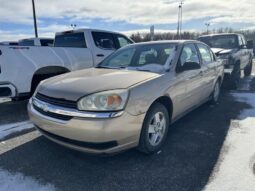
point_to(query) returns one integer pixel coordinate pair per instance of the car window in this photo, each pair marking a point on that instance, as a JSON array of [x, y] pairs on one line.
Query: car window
[[73, 40], [220, 41], [189, 54], [26, 43], [46, 42], [123, 59], [205, 53], [103, 40], [122, 41], [240, 40], [140, 55]]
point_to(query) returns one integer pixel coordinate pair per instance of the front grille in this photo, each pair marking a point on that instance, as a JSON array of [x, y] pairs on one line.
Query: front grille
[[57, 101], [53, 115], [98, 146]]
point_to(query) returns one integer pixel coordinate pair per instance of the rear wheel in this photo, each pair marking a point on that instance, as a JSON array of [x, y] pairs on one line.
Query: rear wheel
[[154, 130], [248, 69], [216, 93]]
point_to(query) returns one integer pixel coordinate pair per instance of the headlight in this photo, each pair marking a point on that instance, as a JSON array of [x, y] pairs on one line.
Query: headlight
[[113, 100]]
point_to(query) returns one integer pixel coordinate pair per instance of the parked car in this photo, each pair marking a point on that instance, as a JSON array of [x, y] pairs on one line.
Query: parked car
[[237, 53], [23, 67], [36, 42], [130, 99]]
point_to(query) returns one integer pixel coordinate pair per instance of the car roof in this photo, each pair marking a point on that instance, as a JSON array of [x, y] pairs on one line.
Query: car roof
[[86, 29], [219, 34], [168, 41]]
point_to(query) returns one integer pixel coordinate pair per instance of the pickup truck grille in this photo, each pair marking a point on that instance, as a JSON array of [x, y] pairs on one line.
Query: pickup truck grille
[[56, 101]]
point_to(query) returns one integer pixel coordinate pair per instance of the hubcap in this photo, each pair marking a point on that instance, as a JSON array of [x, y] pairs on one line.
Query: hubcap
[[157, 129], [216, 92]]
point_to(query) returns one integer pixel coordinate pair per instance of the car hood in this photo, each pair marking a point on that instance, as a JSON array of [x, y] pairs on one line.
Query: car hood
[[75, 85], [219, 51]]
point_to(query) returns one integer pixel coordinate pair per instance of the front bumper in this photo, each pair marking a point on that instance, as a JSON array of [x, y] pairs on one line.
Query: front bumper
[[90, 134]]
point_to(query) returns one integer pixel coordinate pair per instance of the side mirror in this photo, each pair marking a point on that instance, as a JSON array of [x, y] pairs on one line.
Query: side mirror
[[190, 66], [249, 44]]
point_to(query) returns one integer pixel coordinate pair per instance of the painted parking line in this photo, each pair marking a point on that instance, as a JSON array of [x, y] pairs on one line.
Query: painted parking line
[[6, 130], [235, 167]]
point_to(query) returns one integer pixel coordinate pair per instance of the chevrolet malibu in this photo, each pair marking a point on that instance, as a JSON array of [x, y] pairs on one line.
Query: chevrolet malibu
[[130, 99]]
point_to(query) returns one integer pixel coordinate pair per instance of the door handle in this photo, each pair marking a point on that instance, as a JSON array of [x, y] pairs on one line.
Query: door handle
[[100, 55]]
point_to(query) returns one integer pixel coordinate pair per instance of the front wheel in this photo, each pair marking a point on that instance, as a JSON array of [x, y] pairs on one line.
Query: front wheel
[[248, 69], [154, 130]]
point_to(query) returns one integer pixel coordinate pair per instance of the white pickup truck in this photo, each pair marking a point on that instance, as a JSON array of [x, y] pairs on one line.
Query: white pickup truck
[[23, 67]]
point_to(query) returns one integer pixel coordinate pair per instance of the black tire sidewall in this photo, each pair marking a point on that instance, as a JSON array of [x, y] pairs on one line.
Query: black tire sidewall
[[248, 69], [144, 144]]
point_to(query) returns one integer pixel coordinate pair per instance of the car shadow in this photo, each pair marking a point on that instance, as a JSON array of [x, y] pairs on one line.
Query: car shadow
[[185, 162]]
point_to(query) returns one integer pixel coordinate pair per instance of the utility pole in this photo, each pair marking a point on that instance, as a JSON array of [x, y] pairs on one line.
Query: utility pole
[[35, 23], [179, 25], [207, 27]]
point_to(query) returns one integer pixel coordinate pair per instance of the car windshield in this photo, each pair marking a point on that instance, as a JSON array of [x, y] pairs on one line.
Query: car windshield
[[221, 41], [149, 57]]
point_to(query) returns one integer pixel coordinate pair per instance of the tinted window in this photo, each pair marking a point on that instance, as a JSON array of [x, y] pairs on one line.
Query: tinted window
[[46, 42], [205, 53], [189, 54], [74, 40], [103, 40], [221, 41], [123, 41], [26, 43]]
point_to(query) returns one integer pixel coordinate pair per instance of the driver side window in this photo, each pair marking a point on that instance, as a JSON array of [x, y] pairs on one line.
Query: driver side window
[[189, 54]]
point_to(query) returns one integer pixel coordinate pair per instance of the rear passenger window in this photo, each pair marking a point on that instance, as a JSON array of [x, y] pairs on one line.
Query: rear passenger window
[[103, 40], [46, 42], [26, 43], [206, 54], [73, 40]]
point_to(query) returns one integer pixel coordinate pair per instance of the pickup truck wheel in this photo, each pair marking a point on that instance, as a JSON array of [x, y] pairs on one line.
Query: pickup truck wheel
[[234, 78], [216, 93], [154, 130], [248, 69]]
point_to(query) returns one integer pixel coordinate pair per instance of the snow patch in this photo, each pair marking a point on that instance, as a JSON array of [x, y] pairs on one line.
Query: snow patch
[[18, 182], [3, 100], [234, 169], [9, 129]]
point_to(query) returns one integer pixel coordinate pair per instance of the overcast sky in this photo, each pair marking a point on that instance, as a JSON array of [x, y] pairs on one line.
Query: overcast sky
[[121, 15]]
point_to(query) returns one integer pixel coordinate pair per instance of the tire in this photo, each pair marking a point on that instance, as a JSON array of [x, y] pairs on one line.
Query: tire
[[234, 78], [154, 130], [248, 69], [216, 93]]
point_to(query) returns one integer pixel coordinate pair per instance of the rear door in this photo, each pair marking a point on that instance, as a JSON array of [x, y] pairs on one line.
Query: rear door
[[208, 67], [104, 45]]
